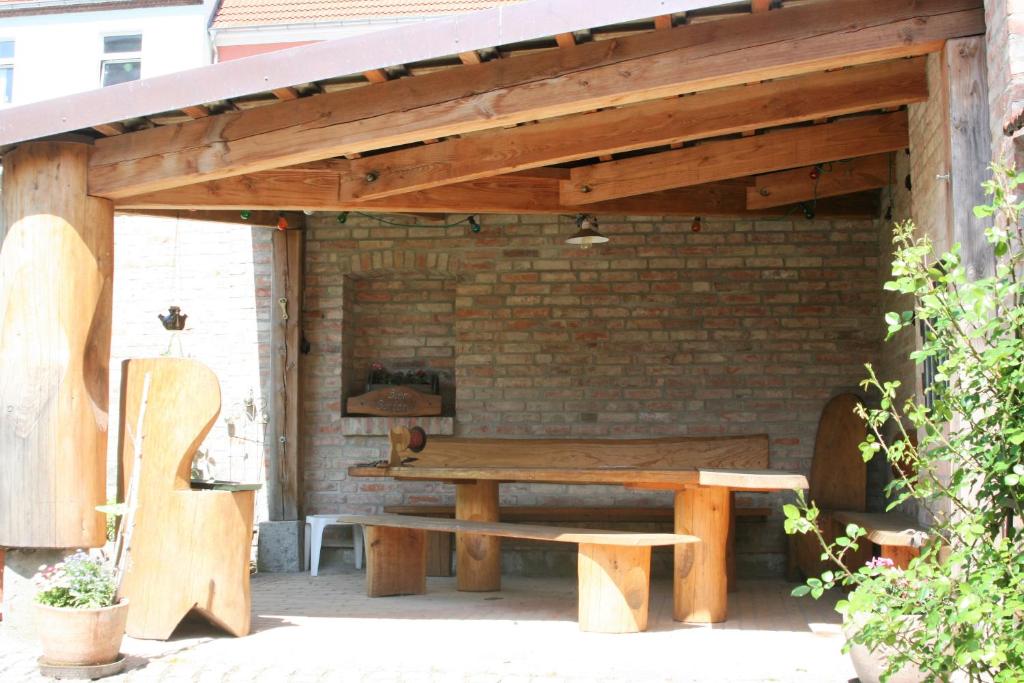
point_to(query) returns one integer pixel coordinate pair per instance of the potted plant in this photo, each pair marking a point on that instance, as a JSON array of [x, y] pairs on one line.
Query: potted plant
[[78, 619], [870, 664], [957, 611]]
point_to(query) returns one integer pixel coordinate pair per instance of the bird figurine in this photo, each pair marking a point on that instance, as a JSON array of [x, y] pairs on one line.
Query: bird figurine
[[174, 319]]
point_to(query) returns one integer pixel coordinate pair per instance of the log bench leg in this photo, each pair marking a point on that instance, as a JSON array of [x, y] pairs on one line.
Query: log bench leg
[[700, 587], [730, 545], [477, 557], [439, 553], [614, 588], [396, 561], [900, 555]]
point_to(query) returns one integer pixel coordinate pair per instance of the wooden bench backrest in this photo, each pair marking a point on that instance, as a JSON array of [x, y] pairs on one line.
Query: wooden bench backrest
[[677, 452]]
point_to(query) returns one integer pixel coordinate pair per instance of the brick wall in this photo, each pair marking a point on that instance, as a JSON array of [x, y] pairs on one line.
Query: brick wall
[[744, 327], [220, 277]]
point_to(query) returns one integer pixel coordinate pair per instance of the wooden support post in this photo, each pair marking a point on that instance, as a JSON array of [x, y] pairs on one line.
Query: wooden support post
[[283, 472], [396, 561], [970, 149], [614, 588], [700, 583], [56, 268], [477, 558]]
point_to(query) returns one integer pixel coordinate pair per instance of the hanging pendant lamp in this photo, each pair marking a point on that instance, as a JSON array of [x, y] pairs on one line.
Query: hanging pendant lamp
[[586, 232]]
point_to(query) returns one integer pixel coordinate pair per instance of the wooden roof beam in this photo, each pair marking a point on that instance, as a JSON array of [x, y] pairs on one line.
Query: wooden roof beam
[[651, 124], [553, 83], [531, 192], [723, 159], [814, 182]]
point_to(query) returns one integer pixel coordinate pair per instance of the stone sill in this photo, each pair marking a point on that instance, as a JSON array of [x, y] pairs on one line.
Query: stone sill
[[381, 426]]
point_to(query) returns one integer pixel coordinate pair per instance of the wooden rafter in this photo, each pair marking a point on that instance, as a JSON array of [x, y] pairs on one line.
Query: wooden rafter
[[813, 182], [658, 64], [531, 192], [760, 5], [376, 75], [651, 124], [199, 111], [565, 40], [109, 129], [723, 159], [286, 93], [471, 57], [663, 21]]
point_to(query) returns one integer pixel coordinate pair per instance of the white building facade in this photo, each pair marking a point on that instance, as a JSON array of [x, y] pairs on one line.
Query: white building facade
[[52, 48]]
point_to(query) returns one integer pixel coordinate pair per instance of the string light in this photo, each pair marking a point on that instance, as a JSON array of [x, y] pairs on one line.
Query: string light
[[474, 225], [696, 225]]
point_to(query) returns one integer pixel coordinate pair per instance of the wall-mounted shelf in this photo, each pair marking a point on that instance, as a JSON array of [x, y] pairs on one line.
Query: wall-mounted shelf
[[381, 426]]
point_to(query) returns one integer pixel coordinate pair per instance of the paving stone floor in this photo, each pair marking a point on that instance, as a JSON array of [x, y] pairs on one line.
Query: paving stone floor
[[326, 629]]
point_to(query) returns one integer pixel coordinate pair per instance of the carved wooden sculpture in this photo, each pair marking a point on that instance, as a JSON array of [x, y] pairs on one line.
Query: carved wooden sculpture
[[189, 549]]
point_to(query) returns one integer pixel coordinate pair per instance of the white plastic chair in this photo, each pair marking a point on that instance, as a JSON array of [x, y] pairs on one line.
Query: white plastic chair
[[315, 535]]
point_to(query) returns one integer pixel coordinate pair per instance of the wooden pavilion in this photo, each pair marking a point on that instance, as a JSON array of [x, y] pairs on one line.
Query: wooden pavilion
[[653, 107]]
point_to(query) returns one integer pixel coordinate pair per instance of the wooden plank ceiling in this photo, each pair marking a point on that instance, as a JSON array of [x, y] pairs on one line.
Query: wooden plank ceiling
[[750, 113]]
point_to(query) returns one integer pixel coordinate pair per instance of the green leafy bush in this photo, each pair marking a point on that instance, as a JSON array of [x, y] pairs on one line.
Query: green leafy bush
[[79, 581], [959, 607]]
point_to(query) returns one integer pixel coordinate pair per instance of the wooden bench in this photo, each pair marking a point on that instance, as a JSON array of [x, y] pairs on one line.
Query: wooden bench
[[896, 533], [439, 544], [614, 566]]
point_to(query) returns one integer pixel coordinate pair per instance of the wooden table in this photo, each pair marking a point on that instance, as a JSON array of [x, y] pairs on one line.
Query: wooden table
[[702, 509]]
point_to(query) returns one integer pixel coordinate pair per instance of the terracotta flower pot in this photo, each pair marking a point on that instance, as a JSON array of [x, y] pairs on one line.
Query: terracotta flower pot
[[81, 637], [869, 664]]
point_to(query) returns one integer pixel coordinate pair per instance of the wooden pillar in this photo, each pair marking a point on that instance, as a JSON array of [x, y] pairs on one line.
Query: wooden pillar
[[700, 587], [614, 588], [970, 148], [283, 469], [477, 557], [56, 267]]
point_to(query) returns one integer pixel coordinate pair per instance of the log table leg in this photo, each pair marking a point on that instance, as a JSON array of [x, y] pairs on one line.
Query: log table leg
[[396, 561], [614, 587], [477, 558], [700, 576]]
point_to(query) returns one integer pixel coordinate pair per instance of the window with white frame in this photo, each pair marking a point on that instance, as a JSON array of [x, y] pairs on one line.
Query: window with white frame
[[6, 71], [122, 59]]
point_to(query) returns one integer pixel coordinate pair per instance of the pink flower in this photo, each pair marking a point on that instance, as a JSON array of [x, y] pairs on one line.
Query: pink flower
[[879, 562]]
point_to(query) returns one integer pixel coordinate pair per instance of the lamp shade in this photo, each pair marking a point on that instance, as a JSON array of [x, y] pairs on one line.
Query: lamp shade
[[587, 233]]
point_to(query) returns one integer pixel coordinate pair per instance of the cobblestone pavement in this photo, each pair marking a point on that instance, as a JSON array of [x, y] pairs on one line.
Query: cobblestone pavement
[[325, 629]]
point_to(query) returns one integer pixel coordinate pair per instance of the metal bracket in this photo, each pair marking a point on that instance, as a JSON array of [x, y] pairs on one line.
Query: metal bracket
[[283, 303]]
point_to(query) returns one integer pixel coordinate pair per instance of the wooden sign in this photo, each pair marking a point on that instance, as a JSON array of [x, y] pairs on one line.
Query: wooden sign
[[397, 401]]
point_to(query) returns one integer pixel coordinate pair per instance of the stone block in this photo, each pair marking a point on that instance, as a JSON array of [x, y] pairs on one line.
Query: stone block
[[281, 547]]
